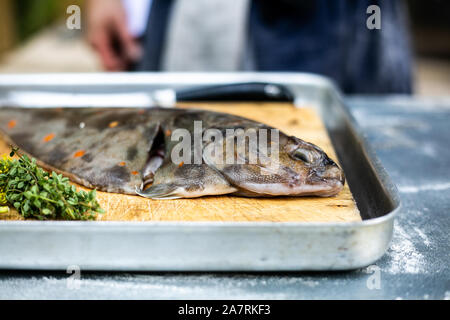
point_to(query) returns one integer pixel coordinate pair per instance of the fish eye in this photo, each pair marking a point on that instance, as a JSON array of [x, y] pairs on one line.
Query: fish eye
[[303, 155]]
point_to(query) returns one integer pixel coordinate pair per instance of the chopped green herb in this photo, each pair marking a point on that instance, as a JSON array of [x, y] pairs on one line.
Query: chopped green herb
[[35, 193]]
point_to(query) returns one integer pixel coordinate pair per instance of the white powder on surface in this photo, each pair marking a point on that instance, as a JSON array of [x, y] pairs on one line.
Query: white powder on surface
[[404, 256], [422, 235], [425, 187]]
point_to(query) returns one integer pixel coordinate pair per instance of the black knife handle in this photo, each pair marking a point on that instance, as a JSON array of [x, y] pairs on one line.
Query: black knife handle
[[247, 91]]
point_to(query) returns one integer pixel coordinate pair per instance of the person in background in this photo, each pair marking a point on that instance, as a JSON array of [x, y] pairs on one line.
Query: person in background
[[328, 37], [114, 29]]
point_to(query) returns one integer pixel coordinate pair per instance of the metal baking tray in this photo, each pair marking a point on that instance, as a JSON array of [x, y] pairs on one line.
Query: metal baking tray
[[211, 246]]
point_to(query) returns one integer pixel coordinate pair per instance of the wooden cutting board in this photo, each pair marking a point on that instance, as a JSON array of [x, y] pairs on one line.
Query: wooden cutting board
[[301, 122]]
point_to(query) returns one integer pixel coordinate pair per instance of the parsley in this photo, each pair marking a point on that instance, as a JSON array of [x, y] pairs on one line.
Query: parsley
[[35, 193]]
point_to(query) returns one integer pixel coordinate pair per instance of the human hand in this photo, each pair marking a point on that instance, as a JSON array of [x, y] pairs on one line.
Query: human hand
[[107, 32]]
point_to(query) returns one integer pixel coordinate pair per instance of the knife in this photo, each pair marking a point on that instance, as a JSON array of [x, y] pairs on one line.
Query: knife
[[246, 91]]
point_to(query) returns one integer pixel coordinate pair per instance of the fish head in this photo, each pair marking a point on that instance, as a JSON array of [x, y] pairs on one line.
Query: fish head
[[292, 167], [305, 169]]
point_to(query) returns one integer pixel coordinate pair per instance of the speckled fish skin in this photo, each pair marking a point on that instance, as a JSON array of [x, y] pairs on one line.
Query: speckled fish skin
[[108, 149]]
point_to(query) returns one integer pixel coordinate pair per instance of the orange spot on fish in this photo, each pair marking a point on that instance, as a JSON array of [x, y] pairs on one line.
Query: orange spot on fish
[[12, 124], [134, 173], [122, 164], [113, 124], [79, 153], [48, 137], [168, 132], [180, 164]]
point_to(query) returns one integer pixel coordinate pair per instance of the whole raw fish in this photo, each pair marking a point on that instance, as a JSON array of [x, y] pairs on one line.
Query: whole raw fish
[[132, 151]]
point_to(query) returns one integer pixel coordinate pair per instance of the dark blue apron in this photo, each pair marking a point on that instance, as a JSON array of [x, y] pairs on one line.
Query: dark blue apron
[[328, 37]]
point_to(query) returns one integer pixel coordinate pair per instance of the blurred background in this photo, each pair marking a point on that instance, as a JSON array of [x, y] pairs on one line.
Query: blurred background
[[34, 38]]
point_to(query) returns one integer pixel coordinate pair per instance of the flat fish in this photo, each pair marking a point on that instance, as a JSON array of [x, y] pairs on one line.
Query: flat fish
[[131, 151]]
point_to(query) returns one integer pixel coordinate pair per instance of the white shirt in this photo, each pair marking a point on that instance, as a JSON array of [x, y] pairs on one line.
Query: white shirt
[[137, 12]]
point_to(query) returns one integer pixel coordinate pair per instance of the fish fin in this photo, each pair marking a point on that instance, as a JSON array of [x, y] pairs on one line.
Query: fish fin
[[172, 181], [106, 148], [159, 192]]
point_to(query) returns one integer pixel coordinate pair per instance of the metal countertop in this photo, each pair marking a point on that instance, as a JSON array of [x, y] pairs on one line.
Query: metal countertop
[[411, 137]]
